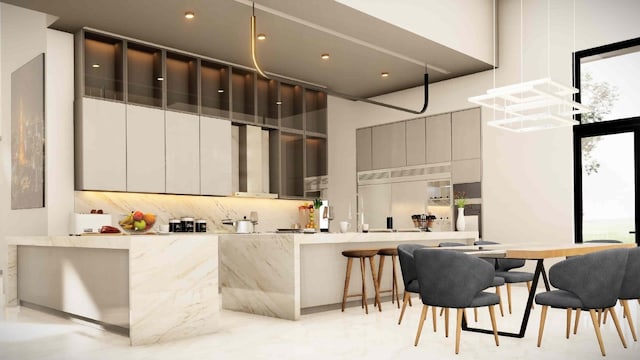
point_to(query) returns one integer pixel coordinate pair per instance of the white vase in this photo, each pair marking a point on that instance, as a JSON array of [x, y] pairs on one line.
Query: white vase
[[460, 224]]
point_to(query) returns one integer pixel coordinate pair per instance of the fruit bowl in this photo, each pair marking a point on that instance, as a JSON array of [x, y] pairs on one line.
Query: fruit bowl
[[137, 222]]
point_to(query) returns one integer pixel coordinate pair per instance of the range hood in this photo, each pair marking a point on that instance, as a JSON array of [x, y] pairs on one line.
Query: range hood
[[253, 163]]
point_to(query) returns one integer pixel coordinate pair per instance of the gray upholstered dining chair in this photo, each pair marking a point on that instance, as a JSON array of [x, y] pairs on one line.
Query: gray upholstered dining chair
[[409, 277], [497, 281], [630, 288], [452, 279], [503, 270], [589, 282]]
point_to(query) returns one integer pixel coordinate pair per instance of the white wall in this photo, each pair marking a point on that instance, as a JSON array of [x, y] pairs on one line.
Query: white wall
[[527, 178], [463, 25]]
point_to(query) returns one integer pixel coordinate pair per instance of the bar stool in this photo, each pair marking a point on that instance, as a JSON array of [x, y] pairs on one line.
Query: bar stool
[[362, 255], [382, 253]]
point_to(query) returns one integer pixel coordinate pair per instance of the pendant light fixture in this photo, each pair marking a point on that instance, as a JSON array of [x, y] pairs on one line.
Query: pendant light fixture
[[325, 89], [531, 105]]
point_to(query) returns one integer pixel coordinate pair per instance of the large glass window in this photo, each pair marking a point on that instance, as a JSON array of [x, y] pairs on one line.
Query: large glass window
[[606, 143]]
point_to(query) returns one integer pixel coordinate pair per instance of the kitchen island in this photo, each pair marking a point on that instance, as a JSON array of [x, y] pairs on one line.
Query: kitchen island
[[282, 274], [159, 288]]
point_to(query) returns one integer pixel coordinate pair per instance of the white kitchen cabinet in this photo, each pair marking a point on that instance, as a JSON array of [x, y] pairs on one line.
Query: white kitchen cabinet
[[466, 171], [145, 149], [182, 153], [388, 145], [465, 134], [416, 142], [101, 159], [438, 146], [215, 156], [363, 149]]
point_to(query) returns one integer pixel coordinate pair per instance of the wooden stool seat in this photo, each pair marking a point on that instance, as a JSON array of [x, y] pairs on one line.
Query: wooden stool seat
[[393, 252], [361, 254]]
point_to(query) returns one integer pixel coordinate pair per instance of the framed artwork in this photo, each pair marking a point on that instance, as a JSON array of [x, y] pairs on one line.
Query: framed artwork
[[27, 135]]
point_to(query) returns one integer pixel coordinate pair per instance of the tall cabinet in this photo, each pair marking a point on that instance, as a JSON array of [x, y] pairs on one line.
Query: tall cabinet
[[151, 119]]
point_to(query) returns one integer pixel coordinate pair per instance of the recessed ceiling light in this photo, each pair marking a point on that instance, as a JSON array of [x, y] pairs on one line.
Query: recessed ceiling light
[[95, 65], [220, 90], [261, 36], [324, 56], [384, 74], [189, 15], [159, 78], [278, 102]]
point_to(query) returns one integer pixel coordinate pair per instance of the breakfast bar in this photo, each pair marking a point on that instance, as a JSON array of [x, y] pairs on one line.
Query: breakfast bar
[[285, 274], [159, 288]]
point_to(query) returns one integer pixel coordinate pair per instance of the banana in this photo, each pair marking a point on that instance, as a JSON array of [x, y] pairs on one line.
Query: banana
[[127, 220]]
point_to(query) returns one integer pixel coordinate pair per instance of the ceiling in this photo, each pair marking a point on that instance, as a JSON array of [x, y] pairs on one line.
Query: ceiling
[[298, 32]]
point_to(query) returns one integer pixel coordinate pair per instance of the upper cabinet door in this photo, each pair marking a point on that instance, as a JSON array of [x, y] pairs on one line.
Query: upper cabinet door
[[145, 149], [465, 127], [438, 138], [101, 150], [363, 149], [389, 145], [215, 156], [182, 153], [416, 142]]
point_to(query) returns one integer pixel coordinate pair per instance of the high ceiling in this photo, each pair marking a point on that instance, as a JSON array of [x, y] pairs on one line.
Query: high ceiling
[[298, 32]]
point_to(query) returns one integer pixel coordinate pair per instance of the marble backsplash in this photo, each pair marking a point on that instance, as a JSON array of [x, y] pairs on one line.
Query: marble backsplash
[[272, 213]]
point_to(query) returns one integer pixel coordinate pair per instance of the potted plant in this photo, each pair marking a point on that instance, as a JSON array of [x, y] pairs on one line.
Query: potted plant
[[460, 201]]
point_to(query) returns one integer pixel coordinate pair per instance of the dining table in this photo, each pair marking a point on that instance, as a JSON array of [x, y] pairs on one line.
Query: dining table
[[538, 253]]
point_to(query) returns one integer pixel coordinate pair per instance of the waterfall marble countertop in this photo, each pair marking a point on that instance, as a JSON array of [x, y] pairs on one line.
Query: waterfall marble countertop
[[169, 282], [278, 274]]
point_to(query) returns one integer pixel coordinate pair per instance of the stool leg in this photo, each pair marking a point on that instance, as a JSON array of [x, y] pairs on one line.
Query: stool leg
[[364, 288], [395, 283], [380, 266], [375, 282], [346, 282]]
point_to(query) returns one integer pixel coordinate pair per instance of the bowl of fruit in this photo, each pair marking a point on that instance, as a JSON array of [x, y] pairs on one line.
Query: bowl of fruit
[[137, 222]]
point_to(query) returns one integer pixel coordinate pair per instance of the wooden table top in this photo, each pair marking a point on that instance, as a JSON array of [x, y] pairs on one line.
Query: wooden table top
[[536, 251]]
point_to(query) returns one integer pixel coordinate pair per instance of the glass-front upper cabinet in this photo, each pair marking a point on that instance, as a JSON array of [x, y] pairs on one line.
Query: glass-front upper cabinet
[[315, 103], [144, 75], [214, 89], [103, 67], [316, 153], [268, 101], [243, 98], [291, 106], [182, 82]]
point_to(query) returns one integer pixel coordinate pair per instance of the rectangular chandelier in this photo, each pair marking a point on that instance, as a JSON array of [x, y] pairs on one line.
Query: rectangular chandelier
[[532, 105]]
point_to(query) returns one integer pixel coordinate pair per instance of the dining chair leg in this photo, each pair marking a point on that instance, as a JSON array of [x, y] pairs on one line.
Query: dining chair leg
[[604, 319], [433, 312], [441, 311], [569, 310], [625, 307], [405, 299], [423, 315], [346, 282], [446, 322], [475, 314], [596, 327], [458, 328], [543, 317], [498, 292], [599, 316], [375, 283], [509, 296], [364, 287], [575, 327], [492, 313], [614, 317]]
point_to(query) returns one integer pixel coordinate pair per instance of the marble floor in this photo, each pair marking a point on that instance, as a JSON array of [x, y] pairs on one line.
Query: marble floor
[[29, 334]]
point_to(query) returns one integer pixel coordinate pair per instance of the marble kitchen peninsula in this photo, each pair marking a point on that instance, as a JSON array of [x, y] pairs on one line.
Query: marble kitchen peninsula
[[160, 288], [282, 274]]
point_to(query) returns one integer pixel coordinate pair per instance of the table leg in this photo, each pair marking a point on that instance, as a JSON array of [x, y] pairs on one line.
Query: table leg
[[527, 311]]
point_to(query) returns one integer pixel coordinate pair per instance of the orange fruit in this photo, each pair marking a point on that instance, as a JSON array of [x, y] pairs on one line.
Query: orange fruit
[[149, 218]]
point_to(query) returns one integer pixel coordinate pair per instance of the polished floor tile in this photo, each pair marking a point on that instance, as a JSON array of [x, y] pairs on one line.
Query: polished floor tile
[[30, 334]]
